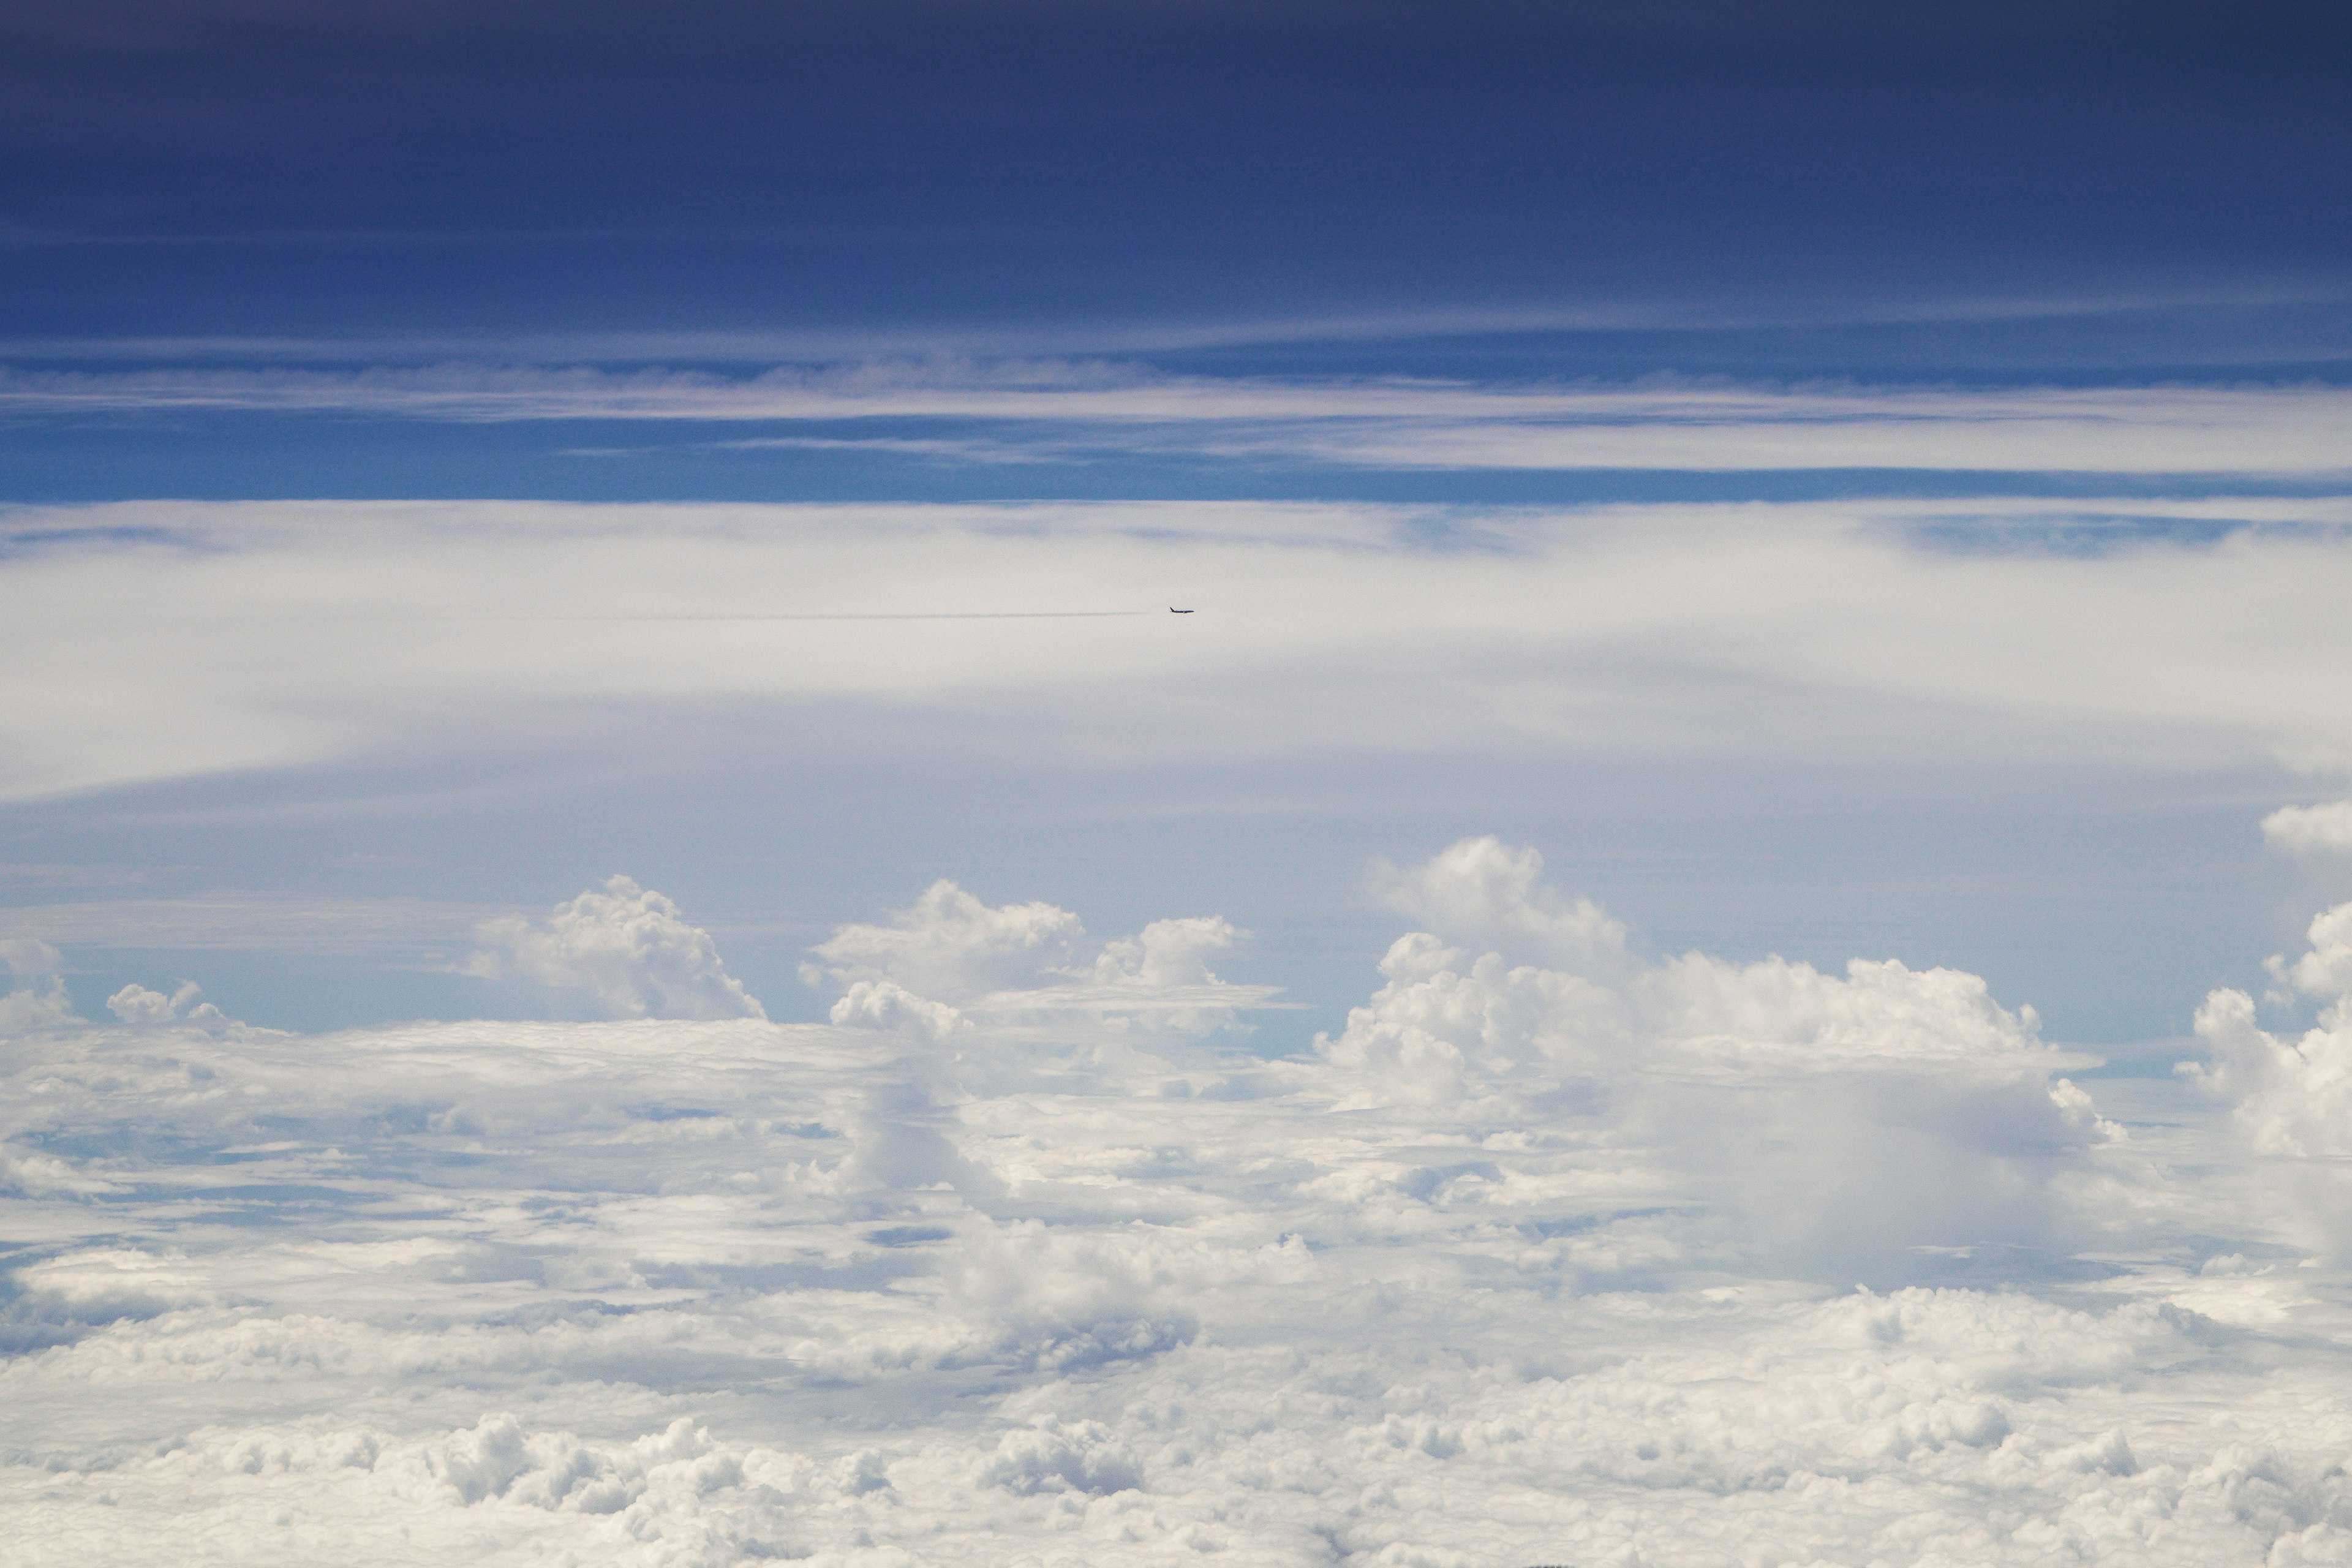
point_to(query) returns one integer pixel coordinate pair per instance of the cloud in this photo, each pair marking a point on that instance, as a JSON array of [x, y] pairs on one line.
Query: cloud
[[1847, 1119], [2326, 969], [2289, 1097], [950, 946], [950, 960], [135, 1004], [626, 946], [886, 1005], [37, 997], [1166, 952], [192, 638], [2310, 829], [1484, 891], [45, 1175], [1076, 405], [674, 1291]]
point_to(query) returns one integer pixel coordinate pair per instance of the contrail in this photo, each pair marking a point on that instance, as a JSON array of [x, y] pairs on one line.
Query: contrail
[[784, 615], [828, 615]]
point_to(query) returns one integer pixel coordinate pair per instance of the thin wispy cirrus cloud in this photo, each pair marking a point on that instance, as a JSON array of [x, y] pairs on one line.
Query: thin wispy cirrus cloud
[[1393, 422]]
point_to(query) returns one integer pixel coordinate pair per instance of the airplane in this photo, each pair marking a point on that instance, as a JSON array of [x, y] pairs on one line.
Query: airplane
[[1175, 611]]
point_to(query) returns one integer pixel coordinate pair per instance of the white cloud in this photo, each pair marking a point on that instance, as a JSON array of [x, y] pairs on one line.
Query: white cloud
[[950, 946], [2309, 829], [2326, 969], [1166, 952], [886, 1005], [1388, 421], [1844, 1120], [1441, 1015], [135, 1004], [36, 998], [949, 957], [701, 1291], [45, 1175], [1484, 891], [1830, 631], [627, 946], [2291, 1098]]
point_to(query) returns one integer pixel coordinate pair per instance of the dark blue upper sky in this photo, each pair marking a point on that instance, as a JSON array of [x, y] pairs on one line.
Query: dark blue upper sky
[[352, 170], [205, 204]]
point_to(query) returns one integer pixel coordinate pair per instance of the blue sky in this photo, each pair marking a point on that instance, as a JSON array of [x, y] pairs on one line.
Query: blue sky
[[631, 934], [1805, 189], [1184, 253]]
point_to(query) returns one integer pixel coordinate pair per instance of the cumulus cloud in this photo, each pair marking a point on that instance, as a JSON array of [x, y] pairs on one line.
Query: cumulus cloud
[[2326, 969], [627, 946], [950, 946], [1523, 1264], [949, 955], [2310, 829], [135, 1004], [1166, 952], [886, 1005], [1847, 1120], [36, 998], [1484, 891], [2291, 1096]]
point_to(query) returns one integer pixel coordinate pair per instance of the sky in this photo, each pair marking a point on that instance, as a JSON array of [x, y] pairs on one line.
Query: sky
[[634, 935]]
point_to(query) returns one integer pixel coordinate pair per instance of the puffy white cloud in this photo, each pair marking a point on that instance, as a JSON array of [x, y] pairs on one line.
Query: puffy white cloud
[[1485, 891], [886, 1005], [686, 1292], [2326, 969], [2291, 1096], [2308, 829], [36, 998], [950, 946], [1166, 952], [951, 955], [1879, 1014], [627, 946], [135, 1004], [1442, 1013], [1846, 1121], [1084, 1457]]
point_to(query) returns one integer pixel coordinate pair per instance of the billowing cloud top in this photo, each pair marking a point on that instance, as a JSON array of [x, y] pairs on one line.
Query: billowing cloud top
[[625, 946], [951, 954], [2308, 829], [1546, 1256], [951, 946]]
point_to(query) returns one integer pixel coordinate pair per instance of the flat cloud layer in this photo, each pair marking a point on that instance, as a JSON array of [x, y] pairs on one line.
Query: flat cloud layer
[[145, 641], [1547, 1256]]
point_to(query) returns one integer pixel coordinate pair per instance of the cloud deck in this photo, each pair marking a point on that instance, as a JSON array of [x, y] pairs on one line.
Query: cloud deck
[[1546, 1257]]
